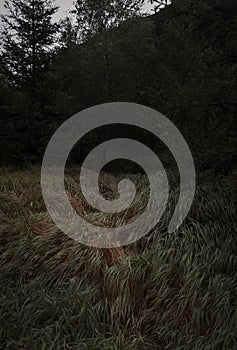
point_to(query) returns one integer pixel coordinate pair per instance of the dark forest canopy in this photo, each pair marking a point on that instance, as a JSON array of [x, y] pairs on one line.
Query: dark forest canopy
[[180, 61]]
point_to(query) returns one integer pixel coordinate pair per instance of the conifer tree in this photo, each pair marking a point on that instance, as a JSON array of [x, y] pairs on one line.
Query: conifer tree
[[28, 36]]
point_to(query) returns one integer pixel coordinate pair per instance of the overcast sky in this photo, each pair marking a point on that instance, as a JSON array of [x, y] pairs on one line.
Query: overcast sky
[[65, 6]]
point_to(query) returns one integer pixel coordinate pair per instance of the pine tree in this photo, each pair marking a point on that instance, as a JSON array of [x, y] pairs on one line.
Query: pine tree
[[28, 36], [68, 33]]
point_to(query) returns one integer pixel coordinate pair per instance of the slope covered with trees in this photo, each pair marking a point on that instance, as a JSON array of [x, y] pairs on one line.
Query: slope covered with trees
[[180, 61]]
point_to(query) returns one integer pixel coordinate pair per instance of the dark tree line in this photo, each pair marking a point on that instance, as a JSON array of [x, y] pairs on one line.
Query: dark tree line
[[180, 61]]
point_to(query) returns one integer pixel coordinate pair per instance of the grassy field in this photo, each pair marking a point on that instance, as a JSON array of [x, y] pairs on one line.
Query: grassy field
[[167, 291]]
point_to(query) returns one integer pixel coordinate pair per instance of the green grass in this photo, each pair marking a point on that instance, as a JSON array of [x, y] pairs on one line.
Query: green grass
[[166, 291]]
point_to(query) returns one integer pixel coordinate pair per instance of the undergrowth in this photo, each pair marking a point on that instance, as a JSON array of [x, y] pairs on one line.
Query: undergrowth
[[166, 291]]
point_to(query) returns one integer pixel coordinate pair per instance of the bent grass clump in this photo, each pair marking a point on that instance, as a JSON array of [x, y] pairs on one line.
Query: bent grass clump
[[166, 291]]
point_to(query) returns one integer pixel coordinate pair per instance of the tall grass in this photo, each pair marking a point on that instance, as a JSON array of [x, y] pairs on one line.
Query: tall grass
[[166, 291]]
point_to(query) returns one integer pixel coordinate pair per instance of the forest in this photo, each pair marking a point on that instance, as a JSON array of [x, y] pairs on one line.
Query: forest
[[168, 290]]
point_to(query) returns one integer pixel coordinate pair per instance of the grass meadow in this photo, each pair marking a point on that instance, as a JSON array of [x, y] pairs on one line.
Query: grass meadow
[[166, 291]]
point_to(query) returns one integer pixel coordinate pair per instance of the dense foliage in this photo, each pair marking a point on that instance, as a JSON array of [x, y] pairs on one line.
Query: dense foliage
[[180, 61]]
